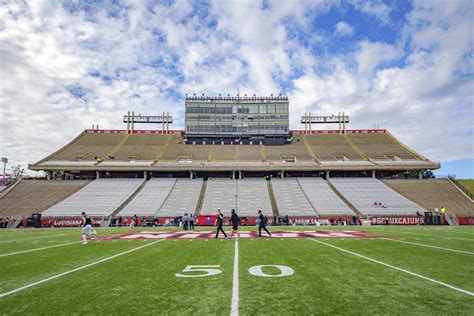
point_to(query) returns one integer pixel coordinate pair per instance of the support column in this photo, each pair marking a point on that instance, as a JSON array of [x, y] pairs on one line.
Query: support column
[[339, 120], [240, 174], [373, 173], [97, 174], [48, 175], [420, 174], [282, 174], [167, 122], [128, 122], [233, 175], [133, 121], [310, 123], [145, 175], [344, 121], [163, 123], [191, 176], [327, 174], [306, 122]]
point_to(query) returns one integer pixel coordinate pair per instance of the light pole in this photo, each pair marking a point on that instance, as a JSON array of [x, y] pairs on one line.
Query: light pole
[[4, 160]]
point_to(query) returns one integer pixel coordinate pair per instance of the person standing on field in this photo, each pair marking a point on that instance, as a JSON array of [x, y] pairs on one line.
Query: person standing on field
[[235, 220], [219, 222], [262, 224]]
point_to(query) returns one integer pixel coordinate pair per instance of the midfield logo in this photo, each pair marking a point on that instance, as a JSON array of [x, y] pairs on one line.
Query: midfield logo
[[243, 234]]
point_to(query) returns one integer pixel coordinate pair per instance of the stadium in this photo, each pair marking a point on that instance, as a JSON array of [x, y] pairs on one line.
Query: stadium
[[236, 157], [321, 192]]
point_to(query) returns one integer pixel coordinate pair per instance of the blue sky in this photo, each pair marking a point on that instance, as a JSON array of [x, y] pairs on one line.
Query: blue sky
[[406, 66]]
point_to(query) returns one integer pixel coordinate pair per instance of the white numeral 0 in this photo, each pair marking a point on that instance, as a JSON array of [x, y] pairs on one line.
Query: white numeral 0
[[284, 271], [209, 272]]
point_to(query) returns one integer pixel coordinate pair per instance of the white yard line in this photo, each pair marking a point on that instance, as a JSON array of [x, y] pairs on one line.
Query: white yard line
[[430, 246], [7, 241], [234, 309], [396, 268], [37, 249], [75, 270], [434, 235]]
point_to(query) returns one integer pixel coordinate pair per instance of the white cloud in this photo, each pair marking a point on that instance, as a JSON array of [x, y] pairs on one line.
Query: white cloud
[[139, 57], [343, 29]]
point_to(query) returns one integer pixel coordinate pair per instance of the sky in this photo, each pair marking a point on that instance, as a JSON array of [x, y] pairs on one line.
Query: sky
[[404, 66]]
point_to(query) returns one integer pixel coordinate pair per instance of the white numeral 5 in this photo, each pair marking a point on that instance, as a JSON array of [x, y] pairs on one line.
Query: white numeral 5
[[206, 269]]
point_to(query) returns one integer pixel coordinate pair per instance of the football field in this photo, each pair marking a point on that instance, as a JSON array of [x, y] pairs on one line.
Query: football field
[[338, 270]]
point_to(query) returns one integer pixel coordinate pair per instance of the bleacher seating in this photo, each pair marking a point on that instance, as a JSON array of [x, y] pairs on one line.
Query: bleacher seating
[[362, 193], [290, 198], [323, 199], [89, 146], [434, 193], [379, 146], [330, 147], [177, 149], [100, 198], [296, 149], [34, 196], [246, 196], [149, 200], [352, 148], [141, 147], [183, 198]]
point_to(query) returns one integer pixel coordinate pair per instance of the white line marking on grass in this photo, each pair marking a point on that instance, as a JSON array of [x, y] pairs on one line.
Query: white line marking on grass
[[396, 268], [6, 241], [234, 309], [74, 270], [36, 249], [430, 246]]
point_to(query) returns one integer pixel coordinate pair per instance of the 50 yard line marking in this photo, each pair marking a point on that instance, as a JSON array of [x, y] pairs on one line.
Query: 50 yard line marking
[[234, 309], [76, 269], [396, 268]]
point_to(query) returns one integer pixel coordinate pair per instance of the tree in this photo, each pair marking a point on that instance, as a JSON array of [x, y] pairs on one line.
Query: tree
[[18, 171]]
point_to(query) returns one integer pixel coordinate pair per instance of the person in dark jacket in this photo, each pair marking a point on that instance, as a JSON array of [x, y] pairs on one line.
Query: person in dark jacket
[[219, 222], [235, 220], [262, 224]]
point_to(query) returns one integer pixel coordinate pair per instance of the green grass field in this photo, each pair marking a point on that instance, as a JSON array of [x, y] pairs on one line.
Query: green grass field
[[419, 270]]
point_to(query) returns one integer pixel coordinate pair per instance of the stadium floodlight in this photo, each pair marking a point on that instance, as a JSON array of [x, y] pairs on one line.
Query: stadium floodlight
[[5, 161], [341, 119], [154, 119]]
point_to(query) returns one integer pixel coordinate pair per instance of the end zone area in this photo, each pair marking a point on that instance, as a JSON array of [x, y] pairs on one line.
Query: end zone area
[[196, 275]]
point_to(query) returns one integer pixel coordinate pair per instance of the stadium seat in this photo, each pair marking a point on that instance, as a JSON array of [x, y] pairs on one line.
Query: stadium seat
[[34, 196], [323, 199], [290, 198], [364, 192], [100, 198], [434, 193], [149, 200], [183, 198], [246, 196]]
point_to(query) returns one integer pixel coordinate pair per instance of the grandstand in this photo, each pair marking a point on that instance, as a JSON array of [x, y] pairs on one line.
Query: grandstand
[[371, 197], [246, 196], [225, 158], [34, 196], [290, 198], [149, 200], [183, 198], [434, 193], [99, 198], [323, 199]]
